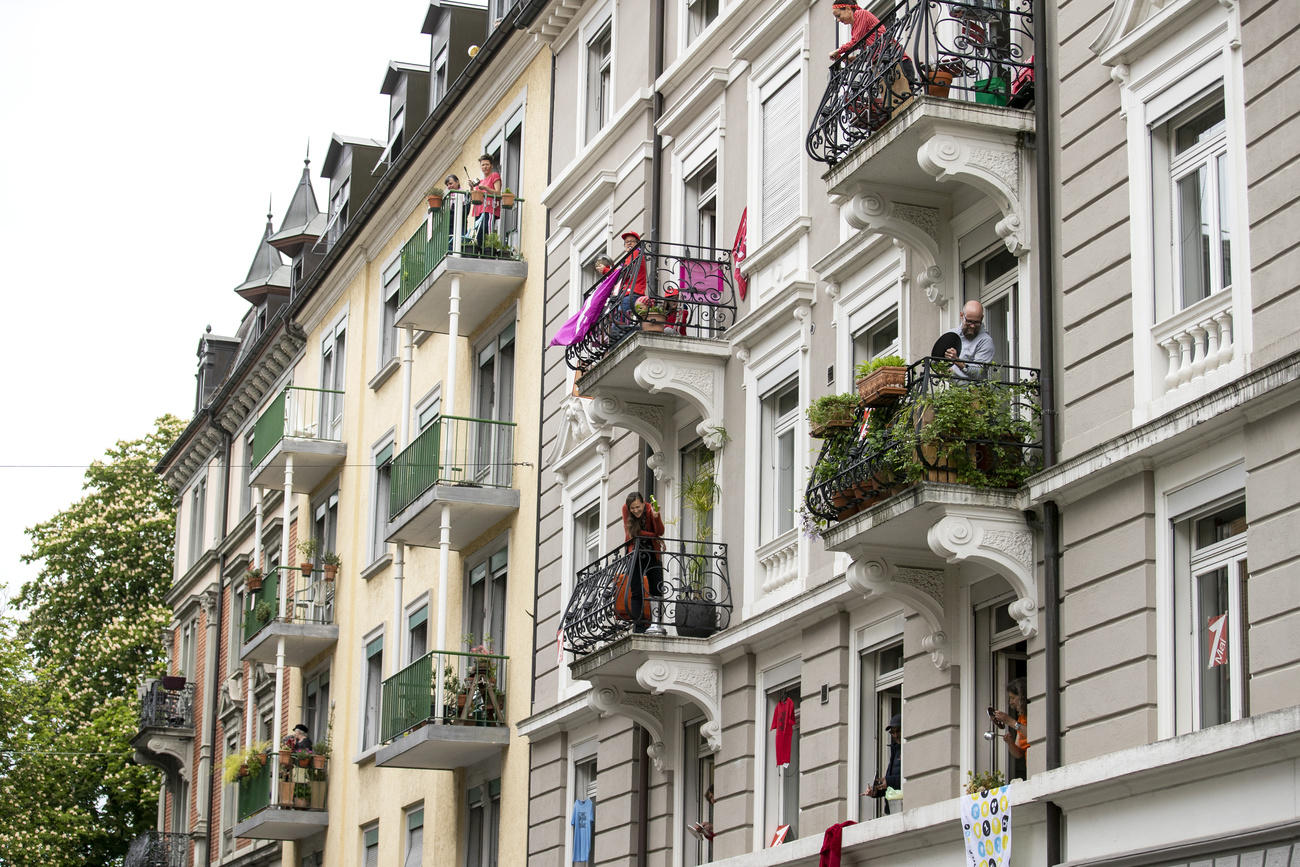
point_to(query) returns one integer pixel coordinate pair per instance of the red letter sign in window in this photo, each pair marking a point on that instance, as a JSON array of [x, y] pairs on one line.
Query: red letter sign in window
[[1218, 629]]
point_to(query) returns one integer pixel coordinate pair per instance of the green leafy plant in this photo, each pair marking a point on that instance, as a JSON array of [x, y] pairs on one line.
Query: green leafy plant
[[263, 612], [650, 306], [865, 368], [308, 548], [830, 407], [975, 782], [329, 558], [700, 496], [302, 791]]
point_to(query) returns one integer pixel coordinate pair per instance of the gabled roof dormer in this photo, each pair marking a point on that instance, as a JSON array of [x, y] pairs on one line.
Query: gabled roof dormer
[[349, 164], [407, 87], [454, 26]]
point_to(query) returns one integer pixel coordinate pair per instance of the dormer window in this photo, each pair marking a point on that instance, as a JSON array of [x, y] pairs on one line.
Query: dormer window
[[440, 76], [395, 127], [338, 211]]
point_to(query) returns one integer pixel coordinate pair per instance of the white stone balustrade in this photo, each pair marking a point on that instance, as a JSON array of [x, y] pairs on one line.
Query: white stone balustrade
[[1196, 341], [778, 562]]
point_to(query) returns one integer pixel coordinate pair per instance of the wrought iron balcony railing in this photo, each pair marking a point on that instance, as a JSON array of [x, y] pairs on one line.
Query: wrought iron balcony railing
[[681, 290], [172, 708], [980, 50], [977, 427], [643, 587], [473, 692], [454, 230], [452, 450], [158, 849], [305, 413], [313, 603], [285, 780]]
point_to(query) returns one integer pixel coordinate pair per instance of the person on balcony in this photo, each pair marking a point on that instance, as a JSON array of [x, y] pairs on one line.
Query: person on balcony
[[865, 27], [452, 183], [631, 287], [970, 360], [1015, 724], [892, 781], [485, 214], [300, 739], [643, 536]]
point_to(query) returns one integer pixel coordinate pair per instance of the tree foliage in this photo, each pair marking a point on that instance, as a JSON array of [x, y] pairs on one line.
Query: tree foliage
[[91, 632]]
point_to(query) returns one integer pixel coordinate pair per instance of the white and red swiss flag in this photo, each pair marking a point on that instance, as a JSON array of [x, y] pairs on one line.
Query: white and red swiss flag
[[738, 254]]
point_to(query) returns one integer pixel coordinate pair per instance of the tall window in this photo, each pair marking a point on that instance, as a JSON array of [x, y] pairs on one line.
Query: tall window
[[428, 409], [1210, 605], [325, 524], [374, 682], [391, 338], [702, 205], [333, 368], [506, 149], [1001, 661], [647, 474], [229, 801], [235, 637], [781, 155], [584, 789], [397, 125], [370, 846], [1196, 145], [699, 15], [486, 609], [338, 215], [414, 837], [780, 410], [181, 806], [697, 767], [189, 641], [494, 398], [199, 518], [246, 476], [697, 475], [484, 825], [880, 673], [599, 67], [781, 789], [440, 76], [316, 705], [877, 339], [417, 633], [383, 488], [586, 536], [992, 281]]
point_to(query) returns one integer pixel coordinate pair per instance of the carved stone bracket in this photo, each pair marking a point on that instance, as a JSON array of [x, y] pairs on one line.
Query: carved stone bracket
[[644, 419], [990, 165], [1000, 541], [919, 589], [697, 680], [644, 710], [575, 428], [698, 381], [916, 226]]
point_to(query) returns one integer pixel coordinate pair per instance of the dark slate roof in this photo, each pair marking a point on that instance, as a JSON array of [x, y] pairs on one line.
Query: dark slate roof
[[268, 274], [303, 211]]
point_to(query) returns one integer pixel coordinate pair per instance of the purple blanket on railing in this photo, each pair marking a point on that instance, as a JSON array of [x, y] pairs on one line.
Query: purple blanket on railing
[[580, 323], [701, 281]]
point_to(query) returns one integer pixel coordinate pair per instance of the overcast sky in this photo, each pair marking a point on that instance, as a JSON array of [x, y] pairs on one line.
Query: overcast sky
[[139, 144]]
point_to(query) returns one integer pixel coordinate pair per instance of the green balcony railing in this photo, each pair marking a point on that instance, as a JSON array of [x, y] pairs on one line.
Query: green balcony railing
[[263, 605], [306, 413], [313, 603], [452, 450], [473, 687], [289, 781], [454, 230]]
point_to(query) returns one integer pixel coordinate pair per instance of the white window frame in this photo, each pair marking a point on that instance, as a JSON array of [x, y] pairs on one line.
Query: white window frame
[[388, 344], [585, 484], [369, 837], [378, 634], [410, 816], [378, 548], [695, 756], [687, 16], [769, 74], [229, 797], [333, 375], [439, 82], [773, 676], [773, 429], [483, 558], [1178, 167], [427, 409], [581, 754], [411, 613], [1006, 285], [601, 17], [876, 633]]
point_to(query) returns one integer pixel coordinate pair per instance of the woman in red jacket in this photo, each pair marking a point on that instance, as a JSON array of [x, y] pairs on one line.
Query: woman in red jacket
[[641, 522]]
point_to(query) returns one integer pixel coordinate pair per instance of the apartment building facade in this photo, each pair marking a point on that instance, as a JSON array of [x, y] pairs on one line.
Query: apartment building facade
[[1078, 533], [370, 404]]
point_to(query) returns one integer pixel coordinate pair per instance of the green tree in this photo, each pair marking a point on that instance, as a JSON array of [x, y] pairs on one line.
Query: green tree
[[90, 633]]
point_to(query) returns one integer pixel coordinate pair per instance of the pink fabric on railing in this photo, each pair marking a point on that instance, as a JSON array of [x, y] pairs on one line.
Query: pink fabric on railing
[[701, 281], [580, 323]]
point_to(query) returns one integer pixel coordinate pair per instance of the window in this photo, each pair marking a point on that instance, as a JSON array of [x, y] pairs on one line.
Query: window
[[880, 673], [229, 801], [584, 789], [316, 707], [499, 9], [1210, 608], [181, 806], [397, 125], [506, 147], [374, 682], [781, 785], [780, 412], [494, 388], [702, 205], [370, 846], [246, 476], [198, 519], [265, 719], [236, 635], [599, 71], [697, 468], [1195, 145], [189, 645], [484, 825], [417, 633], [440, 76], [699, 15], [877, 339], [333, 369], [414, 837], [1001, 661], [390, 338], [325, 525], [992, 281], [781, 155], [647, 473], [586, 537], [382, 490], [697, 767], [428, 409], [485, 612], [338, 215]]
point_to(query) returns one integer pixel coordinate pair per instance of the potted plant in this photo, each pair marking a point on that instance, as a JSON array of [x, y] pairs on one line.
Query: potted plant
[[435, 198], [507, 198], [302, 758], [286, 793], [652, 313], [263, 613], [983, 781], [831, 412], [476, 194], [235, 766], [253, 579], [882, 380], [482, 663], [255, 756], [302, 795], [330, 563], [286, 758], [324, 747], [453, 699], [307, 548], [697, 614]]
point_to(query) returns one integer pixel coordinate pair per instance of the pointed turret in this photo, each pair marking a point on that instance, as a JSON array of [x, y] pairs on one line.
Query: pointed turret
[[268, 275], [303, 223]]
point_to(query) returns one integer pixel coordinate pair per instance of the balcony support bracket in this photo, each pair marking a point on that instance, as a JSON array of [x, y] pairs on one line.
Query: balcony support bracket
[[698, 680], [643, 419], [990, 164], [917, 226], [919, 589], [699, 382], [997, 540], [643, 709]]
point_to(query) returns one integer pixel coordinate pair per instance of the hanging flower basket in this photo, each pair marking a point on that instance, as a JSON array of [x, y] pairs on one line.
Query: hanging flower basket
[[253, 580], [507, 199]]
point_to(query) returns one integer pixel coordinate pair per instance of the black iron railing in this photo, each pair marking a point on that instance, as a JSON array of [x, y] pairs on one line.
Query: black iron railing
[[649, 586], [161, 707], [689, 291], [156, 849], [979, 426], [980, 50]]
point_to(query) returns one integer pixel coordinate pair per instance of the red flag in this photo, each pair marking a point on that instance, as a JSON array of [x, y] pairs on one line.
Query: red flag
[[1218, 633], [738, 254]]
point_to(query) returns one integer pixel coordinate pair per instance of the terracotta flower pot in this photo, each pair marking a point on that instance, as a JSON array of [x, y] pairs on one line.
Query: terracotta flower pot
[[306, 567], [507, 200], [476, 196], [940, 81], [435, 202], [284, 758], [318, 762], [883, 386], [253, 581], [331, 571], [654, 323]]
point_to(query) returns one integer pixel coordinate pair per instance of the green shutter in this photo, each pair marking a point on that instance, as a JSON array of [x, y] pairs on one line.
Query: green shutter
[[415, 819], [374, 647], [372, 837], [418, 617], [384, 455], [494, 789], [500, 560]]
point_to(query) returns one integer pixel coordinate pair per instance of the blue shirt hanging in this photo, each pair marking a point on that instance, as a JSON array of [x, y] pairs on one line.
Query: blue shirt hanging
[[584, 816]]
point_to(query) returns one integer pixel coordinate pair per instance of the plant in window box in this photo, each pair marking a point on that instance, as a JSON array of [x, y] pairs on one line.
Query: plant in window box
[[984, 780], [330, 563], [434, 197], [881, 381], [653, 314], [831, 411], [307, 548], [253, 579], [696, 613], [302, 795]]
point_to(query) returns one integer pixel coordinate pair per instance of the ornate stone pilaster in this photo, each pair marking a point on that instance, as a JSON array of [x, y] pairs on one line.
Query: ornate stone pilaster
[[697, 680], [644, 710], [996, 540]]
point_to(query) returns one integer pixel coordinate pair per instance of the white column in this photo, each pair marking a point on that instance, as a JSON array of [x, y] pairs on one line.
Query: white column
[[284, 562], [444, 537], [250, 706], [399, 549]]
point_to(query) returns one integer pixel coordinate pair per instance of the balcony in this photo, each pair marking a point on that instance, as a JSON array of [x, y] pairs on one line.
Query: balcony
[[305, 424], [157, 849], [166, 734], [664, 349], [285, 798], [470, 725], [930, 477], [466, 464], [308, 626], [452, 245]]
